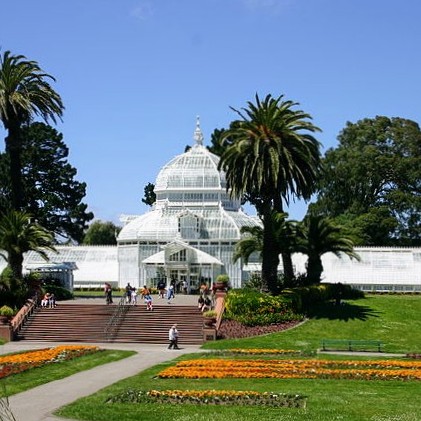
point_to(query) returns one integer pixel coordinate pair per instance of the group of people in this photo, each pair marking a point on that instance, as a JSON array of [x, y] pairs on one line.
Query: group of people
[[206, 298], [48, 301], [204, 303], [164, 292], [131, 296]]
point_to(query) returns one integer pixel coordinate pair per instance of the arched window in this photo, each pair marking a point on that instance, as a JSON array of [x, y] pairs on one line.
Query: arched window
[[189, 226]]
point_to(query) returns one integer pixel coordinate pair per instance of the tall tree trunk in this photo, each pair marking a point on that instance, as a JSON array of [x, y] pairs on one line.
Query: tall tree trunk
[[286, 255], [14, 150], [314, 269], [15, 262], [270, 255], [288, 266]]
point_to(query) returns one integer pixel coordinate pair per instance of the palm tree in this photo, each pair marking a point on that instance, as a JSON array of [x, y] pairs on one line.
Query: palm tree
[[319, 235], [272, 156], [24, 93], [18, 234], [251, 242], [283, 231]]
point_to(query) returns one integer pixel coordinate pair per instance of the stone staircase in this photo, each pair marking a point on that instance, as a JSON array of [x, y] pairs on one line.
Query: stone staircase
[[88, 323]]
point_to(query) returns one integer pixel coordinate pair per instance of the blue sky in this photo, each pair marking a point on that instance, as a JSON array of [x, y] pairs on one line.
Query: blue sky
[[134, 74]]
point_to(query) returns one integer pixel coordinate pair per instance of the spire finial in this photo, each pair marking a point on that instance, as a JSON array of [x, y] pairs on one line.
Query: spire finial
[[198, 135]]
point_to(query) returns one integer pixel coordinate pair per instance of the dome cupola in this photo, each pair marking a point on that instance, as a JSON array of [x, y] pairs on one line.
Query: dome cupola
[[192, 179]]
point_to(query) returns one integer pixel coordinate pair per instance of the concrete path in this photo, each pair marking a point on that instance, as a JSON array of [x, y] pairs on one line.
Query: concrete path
[[39, 403]]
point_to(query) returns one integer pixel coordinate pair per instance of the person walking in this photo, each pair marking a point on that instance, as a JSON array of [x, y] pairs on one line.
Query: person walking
[[148, 301], [173, 337], [134, 297], [170, 293], [161, 289], [108, 294], [128, 293], [184, 287]]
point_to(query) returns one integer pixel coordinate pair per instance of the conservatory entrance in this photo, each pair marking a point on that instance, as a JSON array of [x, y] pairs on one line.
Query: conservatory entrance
[[180, 262], [194, 277]]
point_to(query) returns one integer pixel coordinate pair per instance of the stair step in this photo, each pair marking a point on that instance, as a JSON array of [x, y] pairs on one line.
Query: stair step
[[88, 322]]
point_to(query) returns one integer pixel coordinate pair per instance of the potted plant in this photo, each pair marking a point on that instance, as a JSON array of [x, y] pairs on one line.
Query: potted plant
[[6, 314], [209, 317], [221, 282]]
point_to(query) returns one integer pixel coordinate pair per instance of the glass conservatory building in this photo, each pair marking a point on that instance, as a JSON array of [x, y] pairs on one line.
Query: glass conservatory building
[[190, 233]]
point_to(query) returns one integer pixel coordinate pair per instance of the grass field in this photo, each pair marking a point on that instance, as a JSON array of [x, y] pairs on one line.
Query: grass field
[[350, 400], [391, 319]]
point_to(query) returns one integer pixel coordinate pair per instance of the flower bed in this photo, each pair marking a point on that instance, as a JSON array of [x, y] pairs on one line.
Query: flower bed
[[210, 397], [16, 363], [231, 329], [287, 369], [259, 351]]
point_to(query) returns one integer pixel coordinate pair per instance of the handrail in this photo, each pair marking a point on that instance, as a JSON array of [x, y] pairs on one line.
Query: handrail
[[23, 314], [111, 328], [220, 308]]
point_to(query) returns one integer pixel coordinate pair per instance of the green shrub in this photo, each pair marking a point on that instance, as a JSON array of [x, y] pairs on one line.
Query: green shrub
[[346, 292], [223, 278], [254, 282], [253, 308], [303, 298], [13, 292], [7, 311]]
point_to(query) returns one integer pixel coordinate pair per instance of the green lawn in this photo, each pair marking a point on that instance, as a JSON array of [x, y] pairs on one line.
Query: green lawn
[[327, 400], [391, 319]]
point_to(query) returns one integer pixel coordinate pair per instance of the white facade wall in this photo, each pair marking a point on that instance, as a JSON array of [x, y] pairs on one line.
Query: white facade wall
[[387, 269], [128, 265], [381, 269]]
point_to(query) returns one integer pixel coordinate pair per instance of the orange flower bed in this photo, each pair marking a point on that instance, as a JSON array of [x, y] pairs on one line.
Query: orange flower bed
[[287, 369], [16, 363], [257, 351]]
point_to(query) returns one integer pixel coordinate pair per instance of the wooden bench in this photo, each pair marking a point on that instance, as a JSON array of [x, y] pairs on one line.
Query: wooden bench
[[351, 345]]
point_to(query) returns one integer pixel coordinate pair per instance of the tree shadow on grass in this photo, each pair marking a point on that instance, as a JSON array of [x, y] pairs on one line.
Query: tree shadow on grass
[[344, 311]]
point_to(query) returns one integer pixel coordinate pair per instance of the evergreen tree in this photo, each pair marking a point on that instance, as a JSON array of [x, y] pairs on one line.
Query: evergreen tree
[[52, 194]]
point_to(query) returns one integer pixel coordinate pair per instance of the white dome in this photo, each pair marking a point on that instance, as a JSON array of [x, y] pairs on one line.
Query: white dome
[[191, 202], [196, 169]]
